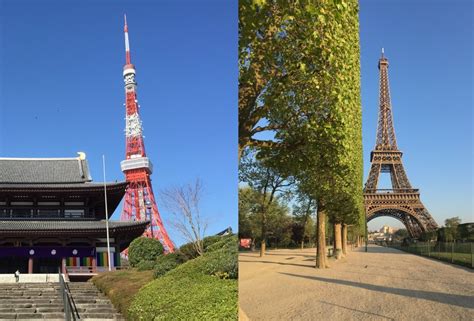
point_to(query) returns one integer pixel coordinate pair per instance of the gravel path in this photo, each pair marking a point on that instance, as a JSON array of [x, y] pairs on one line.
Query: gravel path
[[383, 284]]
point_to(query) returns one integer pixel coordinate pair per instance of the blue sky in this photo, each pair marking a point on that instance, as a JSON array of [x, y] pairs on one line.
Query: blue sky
[[61, 90], [429, 47]]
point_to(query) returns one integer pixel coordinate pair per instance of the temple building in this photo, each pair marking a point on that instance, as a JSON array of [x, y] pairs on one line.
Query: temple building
[[53, 216]]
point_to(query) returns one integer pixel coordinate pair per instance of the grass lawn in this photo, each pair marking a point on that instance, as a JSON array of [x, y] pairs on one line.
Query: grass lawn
[[121, 286]]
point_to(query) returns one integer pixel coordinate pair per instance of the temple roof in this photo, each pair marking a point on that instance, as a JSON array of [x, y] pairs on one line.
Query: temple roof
[[44, 170], [75, 226]]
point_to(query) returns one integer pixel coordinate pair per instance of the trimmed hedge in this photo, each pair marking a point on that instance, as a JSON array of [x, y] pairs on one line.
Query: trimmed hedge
[[144, 249], [145, 265], [165, 263], [205, 288]]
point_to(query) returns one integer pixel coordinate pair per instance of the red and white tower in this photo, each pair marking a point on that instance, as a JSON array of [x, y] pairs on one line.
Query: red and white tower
[[140, 202]]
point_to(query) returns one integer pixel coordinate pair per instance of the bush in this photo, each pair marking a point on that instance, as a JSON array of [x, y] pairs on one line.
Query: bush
[[165, 263], [205, 288], [144, 249], [220, 261], [145, 265], [190, 253], [186, 296]]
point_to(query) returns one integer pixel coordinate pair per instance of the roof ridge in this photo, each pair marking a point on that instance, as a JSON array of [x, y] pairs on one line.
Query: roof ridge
[[39, 158]]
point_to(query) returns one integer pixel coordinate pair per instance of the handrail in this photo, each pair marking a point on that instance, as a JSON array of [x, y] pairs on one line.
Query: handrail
[[92, 269], [70, 310]]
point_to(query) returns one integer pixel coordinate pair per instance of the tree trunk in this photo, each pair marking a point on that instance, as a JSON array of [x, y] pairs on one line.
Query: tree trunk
[[302, 244], [337, 241], [321, 240], [262, 248], [344, 239], [264, 233]]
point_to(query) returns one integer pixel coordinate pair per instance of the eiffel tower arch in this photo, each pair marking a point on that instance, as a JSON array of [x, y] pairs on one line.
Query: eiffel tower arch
[[402, 201]]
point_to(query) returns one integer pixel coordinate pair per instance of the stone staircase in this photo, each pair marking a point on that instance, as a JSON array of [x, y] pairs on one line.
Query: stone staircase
[[36, 301], [91, 303]]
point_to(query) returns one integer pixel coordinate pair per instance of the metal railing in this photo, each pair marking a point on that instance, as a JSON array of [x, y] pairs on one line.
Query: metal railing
[[92, 269], [460, 253], [392, 190], [70, 310]]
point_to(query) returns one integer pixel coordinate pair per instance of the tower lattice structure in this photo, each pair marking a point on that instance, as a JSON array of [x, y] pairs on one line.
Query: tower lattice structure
[[139, 204], [402, 201]]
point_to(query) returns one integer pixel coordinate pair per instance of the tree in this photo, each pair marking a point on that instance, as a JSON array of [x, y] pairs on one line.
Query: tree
[[267, 183], [451, 230], [183, 203], [304, 207], [299, 75], [144, 249], [278, 222]]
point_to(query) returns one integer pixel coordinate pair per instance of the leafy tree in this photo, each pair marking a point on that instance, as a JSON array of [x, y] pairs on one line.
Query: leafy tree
[[400, 234], [144, 249], [299, 75], [304, 207], [451, 230]]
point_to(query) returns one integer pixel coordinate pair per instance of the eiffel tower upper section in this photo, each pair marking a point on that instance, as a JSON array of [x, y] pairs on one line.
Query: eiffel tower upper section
[[386, 157], [401, 201]]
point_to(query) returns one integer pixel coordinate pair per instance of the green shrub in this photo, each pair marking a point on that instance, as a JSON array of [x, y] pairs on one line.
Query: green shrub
[[208, 242], [204, 288], [144, 249], [193, 297], [165, 263], [222, 263], [145, 265], [188, 251], [227, 241]]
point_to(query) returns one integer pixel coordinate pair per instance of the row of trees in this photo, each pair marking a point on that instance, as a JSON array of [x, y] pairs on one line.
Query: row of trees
[[300, 112]]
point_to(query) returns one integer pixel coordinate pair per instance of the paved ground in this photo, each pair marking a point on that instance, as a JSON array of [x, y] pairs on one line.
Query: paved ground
[[383, 284]]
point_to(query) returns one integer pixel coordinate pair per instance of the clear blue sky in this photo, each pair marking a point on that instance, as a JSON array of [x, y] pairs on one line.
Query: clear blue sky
[[61, 89], [429, 45]]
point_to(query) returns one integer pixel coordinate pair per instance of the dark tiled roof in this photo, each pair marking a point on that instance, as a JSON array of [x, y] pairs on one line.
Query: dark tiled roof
[[62, 186], [41, 226], [43, 170]]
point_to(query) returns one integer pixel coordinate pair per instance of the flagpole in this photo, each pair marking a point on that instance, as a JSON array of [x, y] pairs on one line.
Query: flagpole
[[106, 217]]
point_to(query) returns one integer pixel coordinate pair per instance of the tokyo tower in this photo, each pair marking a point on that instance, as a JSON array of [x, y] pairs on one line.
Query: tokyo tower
[[140, 201]]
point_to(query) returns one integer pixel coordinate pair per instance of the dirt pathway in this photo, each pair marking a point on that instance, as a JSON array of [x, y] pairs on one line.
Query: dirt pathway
[[383, 284]]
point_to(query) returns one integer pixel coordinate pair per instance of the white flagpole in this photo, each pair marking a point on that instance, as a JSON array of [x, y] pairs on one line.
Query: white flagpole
[[106, 217]]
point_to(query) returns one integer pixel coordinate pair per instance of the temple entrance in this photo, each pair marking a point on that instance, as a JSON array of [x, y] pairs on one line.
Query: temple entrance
[[46, 265], [10, 264]]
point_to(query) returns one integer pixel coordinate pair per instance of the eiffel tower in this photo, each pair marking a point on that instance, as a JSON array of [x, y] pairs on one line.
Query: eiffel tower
[[402, 201]]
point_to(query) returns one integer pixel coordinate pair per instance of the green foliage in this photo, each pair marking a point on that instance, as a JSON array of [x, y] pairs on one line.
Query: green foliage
[[200, 289], [189, 252], [165, 263], [451, 229], [400, 234], [144, 249], [299, 70], [145, 265], [278, 221], [122, 285]]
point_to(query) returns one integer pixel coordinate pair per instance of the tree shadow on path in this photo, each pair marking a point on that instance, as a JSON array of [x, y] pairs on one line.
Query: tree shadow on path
[[465, 301], [356, 310], [279, 263]]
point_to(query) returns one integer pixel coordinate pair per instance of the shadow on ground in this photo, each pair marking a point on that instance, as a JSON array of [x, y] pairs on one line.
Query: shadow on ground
[[465, 301], [356, 310], [278, 263]]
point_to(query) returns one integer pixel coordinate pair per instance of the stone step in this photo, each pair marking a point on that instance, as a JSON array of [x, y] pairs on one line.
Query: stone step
[[100, 316]]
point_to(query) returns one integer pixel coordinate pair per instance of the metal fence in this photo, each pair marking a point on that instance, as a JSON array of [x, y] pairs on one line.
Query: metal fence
[[457, 253]]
